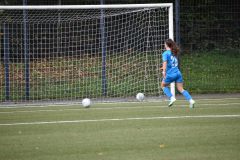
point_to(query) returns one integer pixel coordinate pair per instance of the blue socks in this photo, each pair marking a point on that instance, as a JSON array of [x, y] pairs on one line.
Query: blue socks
[[186, 95], [166, 90]]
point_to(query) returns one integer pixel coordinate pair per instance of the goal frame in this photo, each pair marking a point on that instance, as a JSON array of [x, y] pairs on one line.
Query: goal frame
[[66, 7]]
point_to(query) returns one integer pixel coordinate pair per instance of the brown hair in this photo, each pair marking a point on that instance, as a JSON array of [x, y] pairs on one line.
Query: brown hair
[[173, 46]]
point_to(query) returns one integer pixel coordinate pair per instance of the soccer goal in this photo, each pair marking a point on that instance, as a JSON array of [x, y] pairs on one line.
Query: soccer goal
[[58, 53]]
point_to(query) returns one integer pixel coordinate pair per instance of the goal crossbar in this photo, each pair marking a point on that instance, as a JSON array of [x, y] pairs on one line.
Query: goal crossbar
[[47, 7]]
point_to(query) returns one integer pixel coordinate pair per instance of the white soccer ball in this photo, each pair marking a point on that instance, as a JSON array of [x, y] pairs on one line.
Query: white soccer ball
[[86, 102], [140, 96]]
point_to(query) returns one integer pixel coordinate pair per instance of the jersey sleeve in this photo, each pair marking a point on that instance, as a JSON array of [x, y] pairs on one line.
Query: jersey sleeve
[[164, 56]]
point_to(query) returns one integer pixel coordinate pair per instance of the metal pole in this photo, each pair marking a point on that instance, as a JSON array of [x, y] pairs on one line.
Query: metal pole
[[26, 52], [148, 47], [103, 43], [6, 61], [58, 29], [177, 21]]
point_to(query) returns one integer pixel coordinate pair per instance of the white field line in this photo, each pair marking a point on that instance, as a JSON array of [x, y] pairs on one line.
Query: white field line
[[111, 108], [119, 119]]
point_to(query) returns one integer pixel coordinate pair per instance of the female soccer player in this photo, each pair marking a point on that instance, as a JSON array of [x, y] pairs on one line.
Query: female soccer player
[[171, 73]]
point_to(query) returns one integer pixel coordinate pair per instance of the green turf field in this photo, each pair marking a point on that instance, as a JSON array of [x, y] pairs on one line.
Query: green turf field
[[123, 131]]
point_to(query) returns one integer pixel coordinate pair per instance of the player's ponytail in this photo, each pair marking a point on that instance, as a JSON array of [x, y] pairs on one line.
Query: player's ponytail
[[173, 46]]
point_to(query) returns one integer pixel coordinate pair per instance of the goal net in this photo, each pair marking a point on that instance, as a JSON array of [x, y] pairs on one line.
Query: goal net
[[58, 53]]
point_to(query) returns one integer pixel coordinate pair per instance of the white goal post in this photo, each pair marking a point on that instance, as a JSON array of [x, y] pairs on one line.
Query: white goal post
[[105, 6], [70, 52]]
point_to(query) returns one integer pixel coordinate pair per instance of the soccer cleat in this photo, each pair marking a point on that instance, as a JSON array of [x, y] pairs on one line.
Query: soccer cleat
[[172, 100], [192, 102]]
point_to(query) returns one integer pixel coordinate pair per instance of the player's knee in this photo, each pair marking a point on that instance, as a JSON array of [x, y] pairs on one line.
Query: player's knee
[[180, 90], [163, 85]]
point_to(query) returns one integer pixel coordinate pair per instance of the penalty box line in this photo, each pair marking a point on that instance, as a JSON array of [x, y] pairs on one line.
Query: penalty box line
[[120, 119]]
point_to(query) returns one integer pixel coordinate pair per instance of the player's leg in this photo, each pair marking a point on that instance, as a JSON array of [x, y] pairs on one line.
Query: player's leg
[[165, 86], [186, 94], [165, 89]]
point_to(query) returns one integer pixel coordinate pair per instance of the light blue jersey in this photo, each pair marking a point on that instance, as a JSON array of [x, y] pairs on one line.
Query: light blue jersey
[[172, 62], [173, 74]]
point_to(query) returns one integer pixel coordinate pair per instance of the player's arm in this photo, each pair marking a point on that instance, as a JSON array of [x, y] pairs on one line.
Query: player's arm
[[164, 66], [164, 69]]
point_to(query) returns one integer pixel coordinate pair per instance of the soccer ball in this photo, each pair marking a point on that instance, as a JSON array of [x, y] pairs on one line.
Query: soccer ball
[[140, 96], [86, 102]]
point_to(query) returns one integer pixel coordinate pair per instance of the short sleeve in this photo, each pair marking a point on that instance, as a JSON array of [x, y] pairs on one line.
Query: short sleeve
[[164, 56]]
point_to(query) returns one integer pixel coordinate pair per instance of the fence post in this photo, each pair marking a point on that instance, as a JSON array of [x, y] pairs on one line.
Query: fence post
[[103, 43], [6, 60], [177, 24], [26, 52], [177, 20]]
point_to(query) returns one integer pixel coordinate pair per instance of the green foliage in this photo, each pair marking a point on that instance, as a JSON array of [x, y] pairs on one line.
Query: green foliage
[[211, 72], [207, 25]]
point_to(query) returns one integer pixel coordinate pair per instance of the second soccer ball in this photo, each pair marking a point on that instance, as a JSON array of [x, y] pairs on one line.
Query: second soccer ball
[[86, 102], [140, 96]]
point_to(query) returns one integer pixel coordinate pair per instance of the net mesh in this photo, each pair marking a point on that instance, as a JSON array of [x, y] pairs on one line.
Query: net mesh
[[59, 55]]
